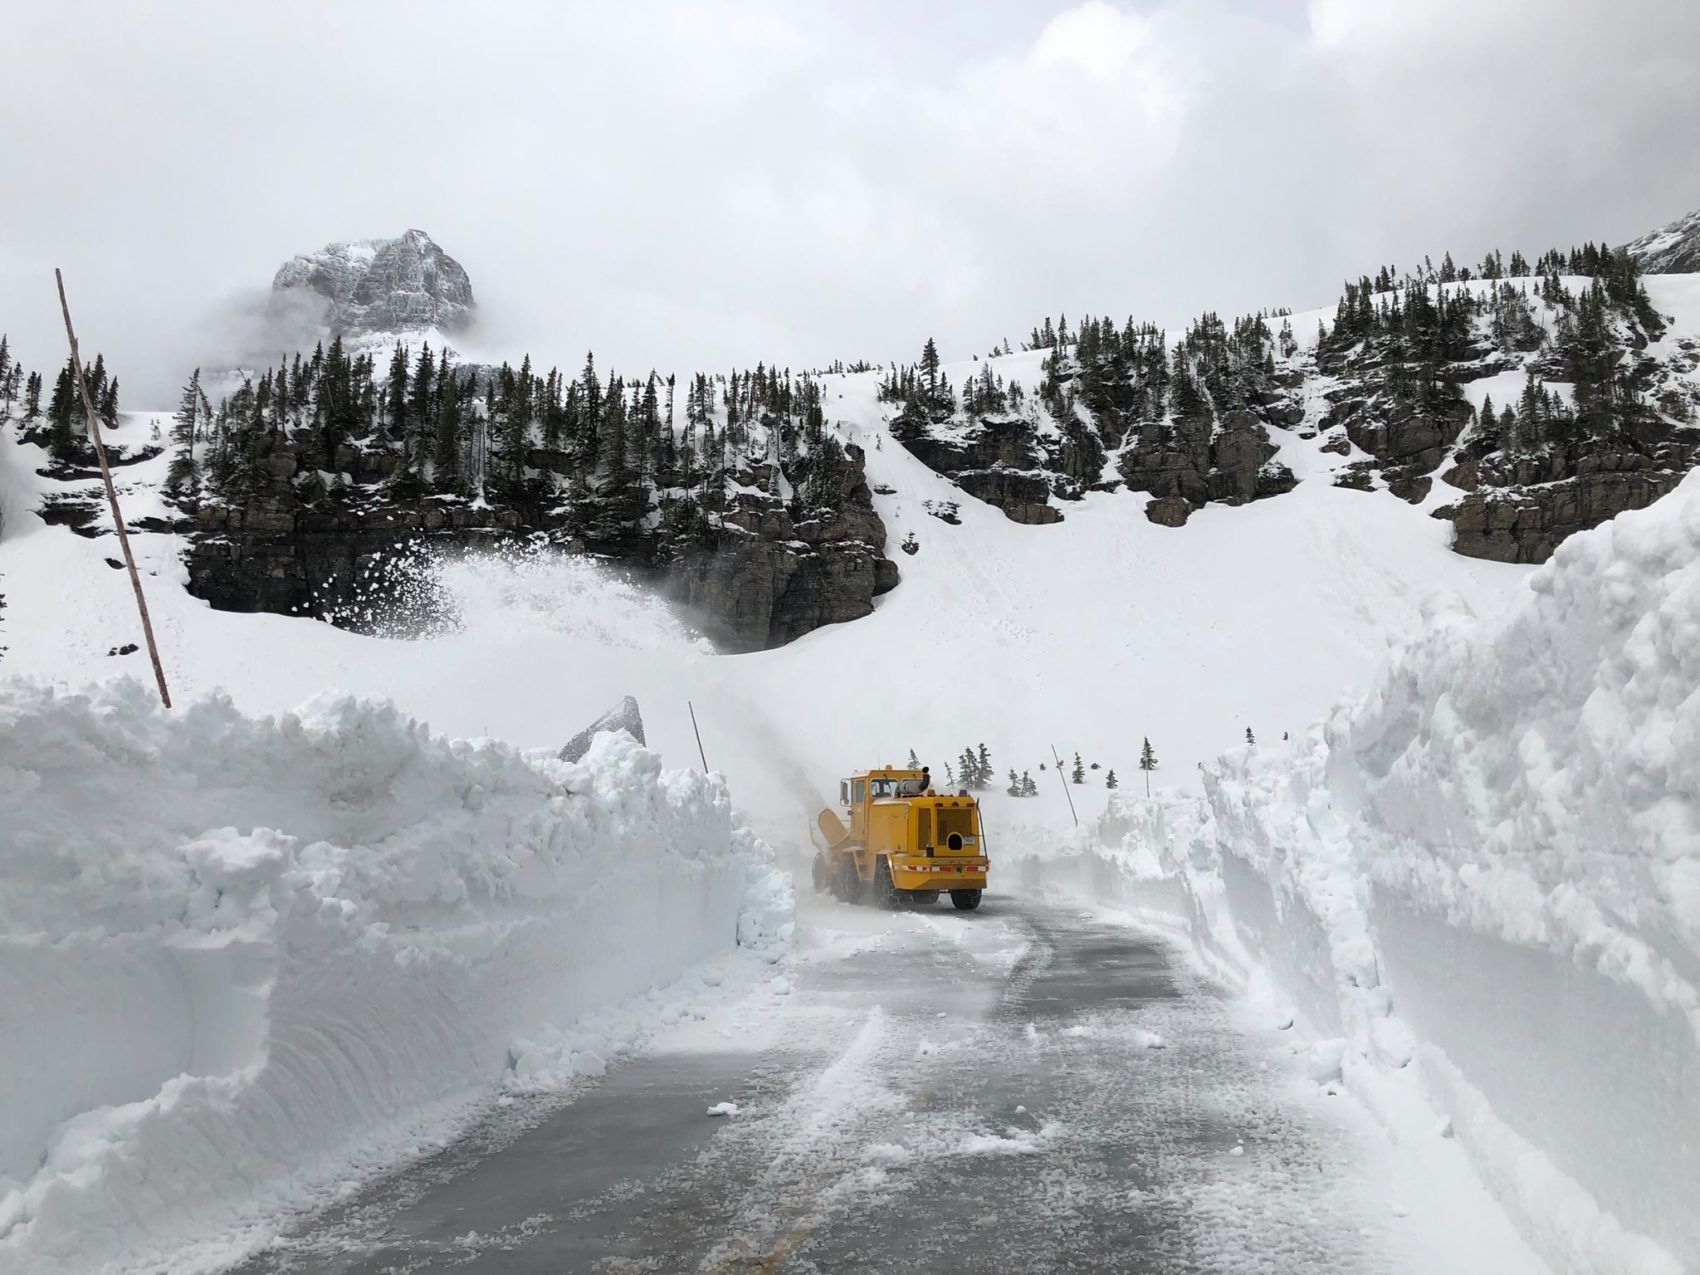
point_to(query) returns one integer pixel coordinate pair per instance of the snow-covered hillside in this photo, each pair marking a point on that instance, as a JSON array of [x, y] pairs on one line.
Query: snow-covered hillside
[[1089, 636], [1480, 883]]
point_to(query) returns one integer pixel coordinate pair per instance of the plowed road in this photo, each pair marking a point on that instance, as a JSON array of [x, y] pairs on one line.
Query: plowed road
[[1026, 1088]]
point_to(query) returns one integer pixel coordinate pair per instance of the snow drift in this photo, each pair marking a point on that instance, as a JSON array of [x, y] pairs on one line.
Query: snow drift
[[239, 953], [1486, 873]]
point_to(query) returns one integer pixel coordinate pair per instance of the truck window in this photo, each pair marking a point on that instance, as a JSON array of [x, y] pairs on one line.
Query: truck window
[[884, 787], [858, 791]]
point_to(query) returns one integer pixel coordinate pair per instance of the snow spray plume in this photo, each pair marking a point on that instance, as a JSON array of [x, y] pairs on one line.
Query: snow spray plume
[[506, 592]]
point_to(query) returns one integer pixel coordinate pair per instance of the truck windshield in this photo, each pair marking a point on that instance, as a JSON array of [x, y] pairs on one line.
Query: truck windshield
[[883, 787]]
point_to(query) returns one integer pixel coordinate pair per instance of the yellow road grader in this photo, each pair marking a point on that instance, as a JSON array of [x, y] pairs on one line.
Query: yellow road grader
[[900, 841]]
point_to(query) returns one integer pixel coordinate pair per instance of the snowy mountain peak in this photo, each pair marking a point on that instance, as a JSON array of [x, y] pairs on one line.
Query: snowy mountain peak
[[372, 286], [1672, 249]]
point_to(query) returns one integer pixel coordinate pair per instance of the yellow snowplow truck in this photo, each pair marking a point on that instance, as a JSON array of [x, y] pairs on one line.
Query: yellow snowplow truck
[[899, 841]]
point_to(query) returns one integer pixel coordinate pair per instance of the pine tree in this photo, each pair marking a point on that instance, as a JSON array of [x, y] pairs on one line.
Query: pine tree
[[1014, 789], [396, 395], [1110, 779], [1250, 739], [183, 478], [1147, 763], [1078, 774], [983, 766], [32, 398], [914, 761], [1028, 787], [61, 441], [445, 443]]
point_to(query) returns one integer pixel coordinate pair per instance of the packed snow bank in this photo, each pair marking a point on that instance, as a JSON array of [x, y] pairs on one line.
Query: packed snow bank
[[1482, 880], [240, 952]]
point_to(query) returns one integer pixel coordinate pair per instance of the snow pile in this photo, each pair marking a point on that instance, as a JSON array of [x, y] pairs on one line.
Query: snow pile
[[1480, 884], [245, 955]]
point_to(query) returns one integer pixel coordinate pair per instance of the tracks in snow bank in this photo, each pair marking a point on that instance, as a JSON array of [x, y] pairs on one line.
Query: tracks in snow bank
[[1023, 1089]]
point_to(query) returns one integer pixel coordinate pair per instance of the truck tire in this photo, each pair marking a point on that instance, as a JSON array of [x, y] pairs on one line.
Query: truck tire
[[843, 881], [881, 892], [820, 873], [964, 900]]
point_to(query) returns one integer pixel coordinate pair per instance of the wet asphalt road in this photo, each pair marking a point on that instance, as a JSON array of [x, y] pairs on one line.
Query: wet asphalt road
[[1021, 1089]]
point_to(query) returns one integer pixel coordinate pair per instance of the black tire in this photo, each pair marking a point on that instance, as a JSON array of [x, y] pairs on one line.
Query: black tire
[[881, 892], [845, 885], [964, 900]]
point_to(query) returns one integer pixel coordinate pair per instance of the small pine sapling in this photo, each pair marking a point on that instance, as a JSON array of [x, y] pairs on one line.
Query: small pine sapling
[[1110, 779], [1078, 775], [1147, 763], [1250, 739]]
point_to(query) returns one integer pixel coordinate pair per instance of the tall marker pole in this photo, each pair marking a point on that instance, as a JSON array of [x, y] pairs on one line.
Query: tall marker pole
[[698, 734], [112, 493], [1064, 783]]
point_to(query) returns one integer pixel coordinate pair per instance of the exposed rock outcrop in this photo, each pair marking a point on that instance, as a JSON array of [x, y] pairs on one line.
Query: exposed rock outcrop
[[1526, 524], [1199, 461], [388, 286]]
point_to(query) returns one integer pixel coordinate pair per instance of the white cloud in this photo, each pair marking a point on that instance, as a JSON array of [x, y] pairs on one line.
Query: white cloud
[[691, 184]]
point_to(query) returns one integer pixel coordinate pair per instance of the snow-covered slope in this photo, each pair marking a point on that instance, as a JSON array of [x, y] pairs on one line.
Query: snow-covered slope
[[1672, 249], [1089, 635], [1485, 873]]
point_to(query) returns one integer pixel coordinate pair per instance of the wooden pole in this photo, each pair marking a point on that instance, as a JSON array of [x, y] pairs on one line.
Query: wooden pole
[[111, 493], [698, 734], [1066, 792]]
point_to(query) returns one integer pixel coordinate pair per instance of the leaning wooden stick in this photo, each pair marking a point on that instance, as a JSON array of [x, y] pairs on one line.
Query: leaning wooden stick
[[112, 494]]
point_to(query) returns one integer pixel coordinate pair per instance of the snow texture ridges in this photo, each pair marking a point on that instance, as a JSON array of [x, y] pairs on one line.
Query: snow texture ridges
[[251, 951]]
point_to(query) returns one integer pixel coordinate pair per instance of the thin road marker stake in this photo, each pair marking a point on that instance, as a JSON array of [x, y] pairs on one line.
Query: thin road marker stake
[[698, 734], [1064, 782], [111, 493]]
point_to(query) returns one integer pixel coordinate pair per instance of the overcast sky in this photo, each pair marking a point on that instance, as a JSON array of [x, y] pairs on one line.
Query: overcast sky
[[692, 185]]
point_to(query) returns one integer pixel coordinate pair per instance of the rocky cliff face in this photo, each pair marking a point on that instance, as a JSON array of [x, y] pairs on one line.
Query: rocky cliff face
[[383, 286], [758, 579], [1672, 249]]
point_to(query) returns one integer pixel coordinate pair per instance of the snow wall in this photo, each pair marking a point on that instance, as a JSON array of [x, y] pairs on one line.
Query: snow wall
[[243, 958], [1482, 880]]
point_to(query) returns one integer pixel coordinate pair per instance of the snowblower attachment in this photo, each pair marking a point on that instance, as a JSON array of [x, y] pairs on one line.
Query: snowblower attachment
[[832, 828]]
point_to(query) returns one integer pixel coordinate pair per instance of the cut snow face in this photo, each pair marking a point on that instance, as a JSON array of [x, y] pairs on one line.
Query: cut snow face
[[1481, 882], [251, 952]]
